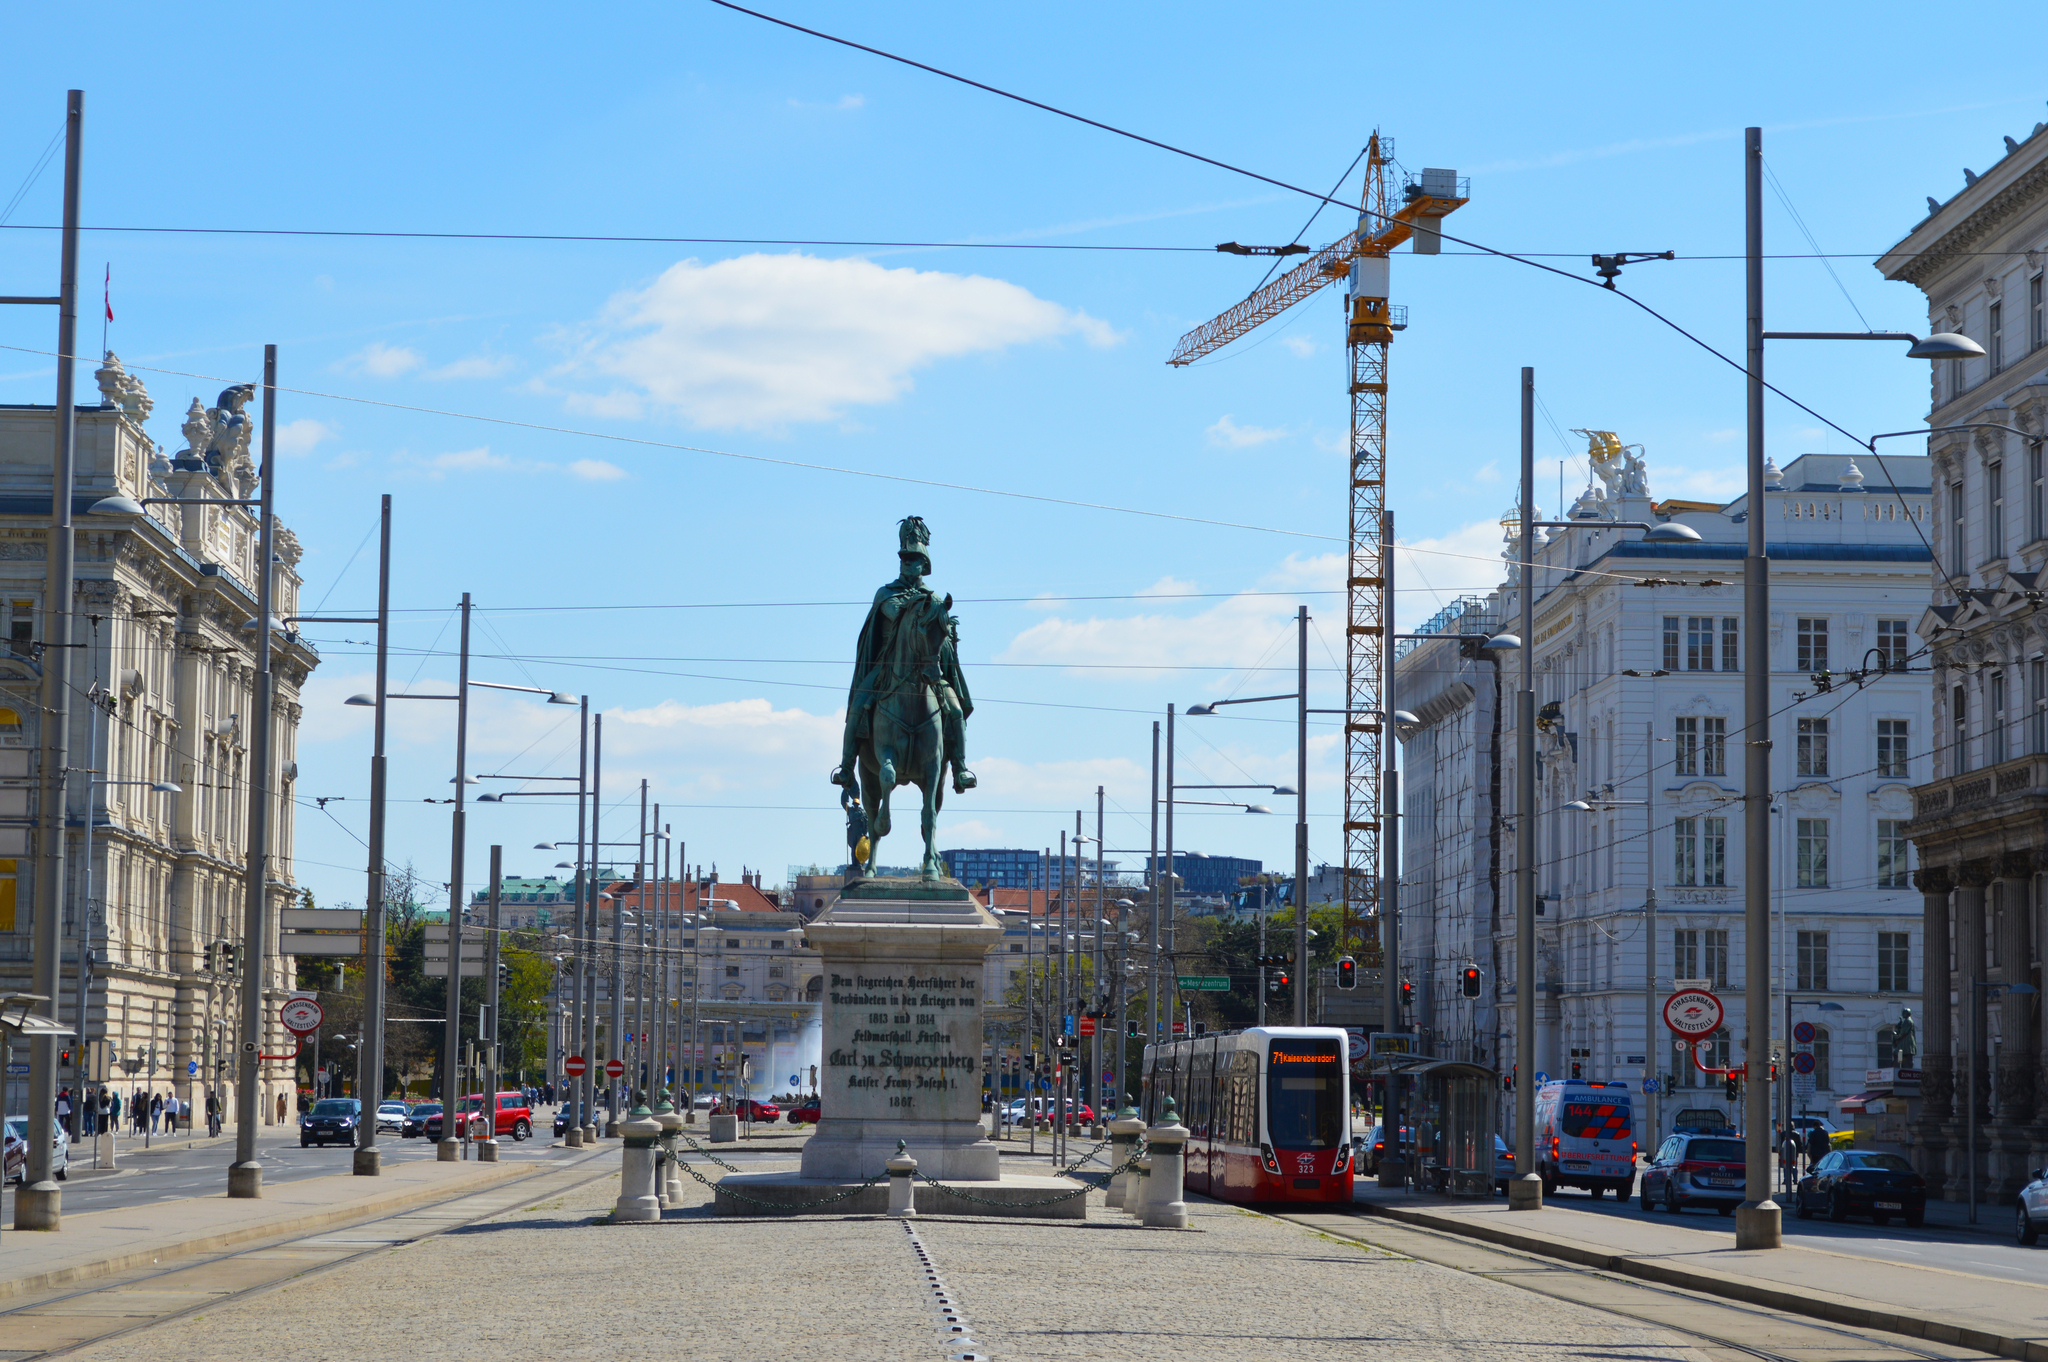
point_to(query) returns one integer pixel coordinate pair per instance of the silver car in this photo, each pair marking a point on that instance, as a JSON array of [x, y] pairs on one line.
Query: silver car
[[16, 1156], [2033, 1212], [391, 1116]]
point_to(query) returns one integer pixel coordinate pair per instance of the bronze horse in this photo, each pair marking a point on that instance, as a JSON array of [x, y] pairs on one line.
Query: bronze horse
[[905, 743]]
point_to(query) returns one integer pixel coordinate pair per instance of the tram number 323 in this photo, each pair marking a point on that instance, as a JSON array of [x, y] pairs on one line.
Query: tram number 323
[[1305, 1163]]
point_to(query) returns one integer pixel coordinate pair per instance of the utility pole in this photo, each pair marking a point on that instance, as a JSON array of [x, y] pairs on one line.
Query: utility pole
[[618, 1012], [1301, 957], [1100, 990], [579, 1088], [488, 1033], [1152, 867], [1170, 967], [450, 1149], [1393, 1162], [1525, 1191], [370, 1059], [39, 1203]]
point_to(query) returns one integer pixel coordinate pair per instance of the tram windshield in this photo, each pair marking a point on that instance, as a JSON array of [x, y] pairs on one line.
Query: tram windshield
[[1304, 1094]]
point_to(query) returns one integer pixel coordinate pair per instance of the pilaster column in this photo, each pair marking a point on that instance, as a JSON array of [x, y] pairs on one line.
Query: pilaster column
[[1937, 1046], [1972, 1042], [2017, 1026]]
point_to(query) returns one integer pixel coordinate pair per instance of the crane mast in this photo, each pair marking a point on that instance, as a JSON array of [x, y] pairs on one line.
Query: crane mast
[[1361, 260]]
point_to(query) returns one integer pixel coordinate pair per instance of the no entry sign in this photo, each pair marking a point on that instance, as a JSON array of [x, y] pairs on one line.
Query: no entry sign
[[574, 1066], [1693, 1012], [615, 1067], [301, 1016]]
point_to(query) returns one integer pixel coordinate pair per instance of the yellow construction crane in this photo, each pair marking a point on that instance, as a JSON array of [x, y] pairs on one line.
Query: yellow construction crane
[[1360, 260]]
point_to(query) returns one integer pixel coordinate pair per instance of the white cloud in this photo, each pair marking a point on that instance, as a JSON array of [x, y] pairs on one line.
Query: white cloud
[[475, 460], [475, 366], [482, 460], [1488, 472], [762, 340], [596, 470], [1300, 345], [383, 361], [1231, 435], [1465, 561], [302, 436]]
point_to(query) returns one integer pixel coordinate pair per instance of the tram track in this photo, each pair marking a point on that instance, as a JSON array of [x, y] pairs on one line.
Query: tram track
[[1723, 1329], [36, 1328]]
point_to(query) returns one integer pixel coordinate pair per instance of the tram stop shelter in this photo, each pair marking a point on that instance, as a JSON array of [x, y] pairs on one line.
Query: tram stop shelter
[[1452, 1108]]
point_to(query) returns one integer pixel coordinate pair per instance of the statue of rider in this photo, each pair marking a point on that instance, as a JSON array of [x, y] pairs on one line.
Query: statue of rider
[[898, 605]]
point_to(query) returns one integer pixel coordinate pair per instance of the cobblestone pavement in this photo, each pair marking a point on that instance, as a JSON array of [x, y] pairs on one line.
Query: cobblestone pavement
[[550, 1281]]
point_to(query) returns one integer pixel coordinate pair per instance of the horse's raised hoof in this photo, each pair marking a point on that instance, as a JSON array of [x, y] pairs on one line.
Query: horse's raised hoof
[[963, 780], [888, 775]]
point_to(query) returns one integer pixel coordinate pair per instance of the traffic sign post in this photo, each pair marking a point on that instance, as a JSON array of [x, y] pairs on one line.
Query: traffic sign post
[[574, 1066], [301, 1016], [614, 1068], [1693, 1013]]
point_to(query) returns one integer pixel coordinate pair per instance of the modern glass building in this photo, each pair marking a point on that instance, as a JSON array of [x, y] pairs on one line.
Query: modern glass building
[[999, 867]]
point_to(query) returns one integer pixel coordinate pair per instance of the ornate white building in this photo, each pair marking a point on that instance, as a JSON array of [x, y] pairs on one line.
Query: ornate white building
[[1982, 820], [162, 693], [1638, 651]]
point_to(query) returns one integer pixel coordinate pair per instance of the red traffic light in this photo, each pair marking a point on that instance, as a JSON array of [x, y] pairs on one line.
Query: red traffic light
[[1468, 981], [1347, 973]]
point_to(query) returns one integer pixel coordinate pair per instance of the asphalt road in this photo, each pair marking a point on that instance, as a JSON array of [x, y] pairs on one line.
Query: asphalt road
[[163, 1174], [1987, 1249]]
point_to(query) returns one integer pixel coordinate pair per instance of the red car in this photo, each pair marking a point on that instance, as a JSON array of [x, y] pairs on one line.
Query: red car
[[747, 1109], [515, 1118], [805, 1113]]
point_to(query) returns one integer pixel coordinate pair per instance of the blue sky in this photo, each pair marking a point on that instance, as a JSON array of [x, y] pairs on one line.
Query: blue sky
[[708, 604]]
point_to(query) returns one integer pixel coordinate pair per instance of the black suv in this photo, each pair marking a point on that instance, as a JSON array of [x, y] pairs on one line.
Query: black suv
[[416, 1121], [565, 1116], [332, 1120]]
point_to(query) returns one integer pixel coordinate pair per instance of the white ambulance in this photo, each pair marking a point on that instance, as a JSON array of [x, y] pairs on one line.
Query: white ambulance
[[1586, 1137]]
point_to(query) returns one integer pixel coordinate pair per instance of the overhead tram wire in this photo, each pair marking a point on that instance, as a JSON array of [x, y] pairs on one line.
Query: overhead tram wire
[[1112, 129]]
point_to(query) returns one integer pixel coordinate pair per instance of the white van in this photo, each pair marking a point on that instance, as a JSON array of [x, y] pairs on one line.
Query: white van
[[1586, 1137]]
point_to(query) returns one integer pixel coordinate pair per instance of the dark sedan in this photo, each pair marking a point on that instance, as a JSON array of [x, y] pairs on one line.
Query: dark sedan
[[1851, 1182], [416, 1121], [566, 1115], [331, 1121]]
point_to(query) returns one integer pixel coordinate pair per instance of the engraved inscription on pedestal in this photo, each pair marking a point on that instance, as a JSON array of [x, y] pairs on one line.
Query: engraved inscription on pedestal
[[903, 1044]]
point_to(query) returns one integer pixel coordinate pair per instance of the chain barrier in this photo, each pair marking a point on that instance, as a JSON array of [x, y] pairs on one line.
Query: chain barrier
[[1087, 1186], [705, 1152], [1084, 1158], [781, 1207]]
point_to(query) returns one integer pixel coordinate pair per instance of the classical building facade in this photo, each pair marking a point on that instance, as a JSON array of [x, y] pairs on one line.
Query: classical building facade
[[154, 878], [1981, 822], [1638, 655]]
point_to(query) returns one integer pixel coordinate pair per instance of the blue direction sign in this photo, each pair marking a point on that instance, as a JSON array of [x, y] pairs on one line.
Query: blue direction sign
[[191, 1067], [1650, 1085], [1542, 1077]]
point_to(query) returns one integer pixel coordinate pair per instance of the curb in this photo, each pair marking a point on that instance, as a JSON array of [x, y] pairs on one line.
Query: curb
[[269, 1229], [1836, 1309]]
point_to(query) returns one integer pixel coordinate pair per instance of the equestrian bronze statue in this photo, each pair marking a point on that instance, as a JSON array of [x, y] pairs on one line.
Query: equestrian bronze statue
[[906, 714]]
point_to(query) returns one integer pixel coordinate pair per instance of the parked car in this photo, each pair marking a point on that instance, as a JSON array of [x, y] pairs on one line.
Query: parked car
[[1373, 1144], [748, 1109], [2033, 1208], [566, 1115], [803, 1113], [514, 1117], [390, 1116], [1854, 1182], [1695, 1170], [416, 1118], [16, 1157], [1503, 1165], [331, 1120]]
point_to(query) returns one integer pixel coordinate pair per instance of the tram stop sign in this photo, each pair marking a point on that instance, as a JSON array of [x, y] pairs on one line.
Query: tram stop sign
[[1693, 1013], [615, 1068], [301, 1016], [574, 1066]]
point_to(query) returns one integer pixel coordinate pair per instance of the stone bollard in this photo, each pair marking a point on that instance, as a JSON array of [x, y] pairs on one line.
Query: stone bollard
[[1123, 1136], [636, 1174], [1164, 1210], [671, 1189], [1140, 1188], [725, 1127], [902, 1184]]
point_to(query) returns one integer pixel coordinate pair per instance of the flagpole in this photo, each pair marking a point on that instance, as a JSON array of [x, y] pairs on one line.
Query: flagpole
[[108, 297]]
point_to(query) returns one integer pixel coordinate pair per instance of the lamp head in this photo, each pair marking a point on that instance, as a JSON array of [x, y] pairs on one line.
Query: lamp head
[[115, 506], [1671, 532], [1256, 808], [562, 697], [1285, 790], [490, 799], [1580, 806], [369, 700], [1940, 345], [1405, 724], [1502, 642], [165, 787], [1194, 710]]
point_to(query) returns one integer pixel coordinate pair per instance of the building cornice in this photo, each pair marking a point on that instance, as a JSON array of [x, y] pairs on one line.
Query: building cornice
[[1928, 251]]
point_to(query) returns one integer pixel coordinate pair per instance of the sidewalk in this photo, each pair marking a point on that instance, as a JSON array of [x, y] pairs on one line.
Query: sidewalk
[[1989, 1314], [98, 1243]]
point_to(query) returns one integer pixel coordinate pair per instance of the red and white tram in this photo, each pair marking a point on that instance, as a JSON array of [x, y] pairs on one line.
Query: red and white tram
[[1268, 1111]]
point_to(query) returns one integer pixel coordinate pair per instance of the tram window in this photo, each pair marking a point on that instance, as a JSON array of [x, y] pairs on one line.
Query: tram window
[[1305, 1094], [1205, 1076], [1244, 1095]]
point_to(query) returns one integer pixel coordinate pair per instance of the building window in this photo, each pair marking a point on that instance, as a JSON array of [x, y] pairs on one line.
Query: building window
[[1713, 747], [1891, 644], [1700, 954], [1685, 849], [1813, 747], [1813, 853], [1959, 723], [21, 626], [1822, 1053], [1891, 853], [2037, 323], [1994, 501], [1713, 851], [1997, 330], [1699, 643], [1813, 645], [1891, 966], [775, 971], [1731, 660], [2034, 530], [2037, 717], [1994, 722], [1686, 759], [1671, 643], [1887, 1047], [1956, 555], [1891, 748], [732, 971], [1813, 961]]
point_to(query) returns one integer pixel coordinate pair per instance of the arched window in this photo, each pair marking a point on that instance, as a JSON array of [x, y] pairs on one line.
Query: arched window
[[10, 722]]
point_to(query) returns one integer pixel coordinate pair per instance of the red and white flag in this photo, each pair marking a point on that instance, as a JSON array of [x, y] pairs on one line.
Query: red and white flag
[[110, 290]]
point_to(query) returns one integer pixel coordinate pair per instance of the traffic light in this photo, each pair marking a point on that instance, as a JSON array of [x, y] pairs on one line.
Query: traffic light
[[64, 1059], [233, 954], [1575, 1069], [1468, 980], [1733, 1089], [504, 974], [1774, 1071], [1276, 961], [1407, 994], [1276, 982], [1507, 1080], [1347, 973], [1134, 1029]]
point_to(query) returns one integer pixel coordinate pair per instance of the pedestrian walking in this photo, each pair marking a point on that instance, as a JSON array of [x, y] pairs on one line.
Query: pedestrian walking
[[1816, 1147], [113, 1101], [64, 1112], [1789, 1151], [212, 1114], [156, 1111], [107, 1104]]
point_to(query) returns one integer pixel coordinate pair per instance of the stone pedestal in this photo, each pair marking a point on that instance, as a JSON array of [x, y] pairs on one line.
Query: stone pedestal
[[902, 1038], [725, 1127]]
